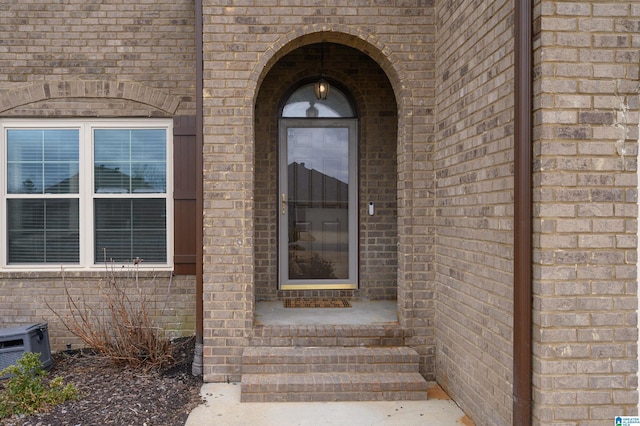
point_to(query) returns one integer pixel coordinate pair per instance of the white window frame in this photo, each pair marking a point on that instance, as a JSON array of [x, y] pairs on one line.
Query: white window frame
[[86, 185]]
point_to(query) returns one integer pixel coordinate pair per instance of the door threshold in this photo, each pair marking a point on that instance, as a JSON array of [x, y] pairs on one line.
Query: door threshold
[[312, 287]]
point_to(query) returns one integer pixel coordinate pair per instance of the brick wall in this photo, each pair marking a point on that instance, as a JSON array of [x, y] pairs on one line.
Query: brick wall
[[585, 242], [30, 297], [137, 55], [474, 206], [241, 45], [94, 59], [453, 95]]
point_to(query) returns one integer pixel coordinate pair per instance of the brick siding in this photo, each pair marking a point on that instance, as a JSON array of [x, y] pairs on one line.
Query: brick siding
[[97, 59], [585, 218], [474, 206], [35, 297], [241, 44], [94, 59], [442, 129]]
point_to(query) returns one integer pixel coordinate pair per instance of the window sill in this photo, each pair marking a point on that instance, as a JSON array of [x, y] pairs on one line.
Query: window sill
[[22, 272]]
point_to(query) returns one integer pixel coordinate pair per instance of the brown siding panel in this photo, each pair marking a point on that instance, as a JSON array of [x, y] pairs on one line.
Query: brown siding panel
[[184, 195]]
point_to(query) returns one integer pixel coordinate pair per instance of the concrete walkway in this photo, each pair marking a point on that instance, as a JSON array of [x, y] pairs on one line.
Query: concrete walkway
[[223, 407]]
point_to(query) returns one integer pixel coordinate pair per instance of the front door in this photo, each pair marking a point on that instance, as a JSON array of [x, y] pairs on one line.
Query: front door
[[318, 195]]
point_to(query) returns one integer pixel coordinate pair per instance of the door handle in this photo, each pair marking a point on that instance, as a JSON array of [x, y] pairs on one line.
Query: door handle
[[284, 204]]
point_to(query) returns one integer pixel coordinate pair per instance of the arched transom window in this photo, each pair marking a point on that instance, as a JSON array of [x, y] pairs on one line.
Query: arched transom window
[[303, 104]]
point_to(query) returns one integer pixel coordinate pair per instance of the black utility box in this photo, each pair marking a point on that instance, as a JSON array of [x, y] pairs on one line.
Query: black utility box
[[15, 341]]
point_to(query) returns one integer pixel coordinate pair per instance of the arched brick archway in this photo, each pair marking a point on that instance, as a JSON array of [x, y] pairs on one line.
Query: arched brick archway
[[235, 90], [154, 98], [393, 73], [363, 79]]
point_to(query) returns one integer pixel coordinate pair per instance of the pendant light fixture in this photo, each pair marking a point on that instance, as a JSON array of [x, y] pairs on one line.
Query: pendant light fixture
[[321, 87]]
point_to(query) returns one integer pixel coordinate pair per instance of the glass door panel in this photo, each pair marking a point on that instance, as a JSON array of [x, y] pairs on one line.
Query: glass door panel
[[318, 204]]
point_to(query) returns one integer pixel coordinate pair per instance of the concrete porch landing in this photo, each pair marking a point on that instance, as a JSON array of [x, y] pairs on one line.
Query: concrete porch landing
[[381, 312], [222, 406]]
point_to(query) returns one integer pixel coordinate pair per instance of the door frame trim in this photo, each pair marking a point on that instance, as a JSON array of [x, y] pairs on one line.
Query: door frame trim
[[354, 231]]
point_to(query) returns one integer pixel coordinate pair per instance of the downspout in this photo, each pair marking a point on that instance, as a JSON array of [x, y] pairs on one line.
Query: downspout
[[522, 275], [196, 368]]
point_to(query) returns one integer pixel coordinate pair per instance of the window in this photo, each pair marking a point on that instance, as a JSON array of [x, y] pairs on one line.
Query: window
[[82, 193]]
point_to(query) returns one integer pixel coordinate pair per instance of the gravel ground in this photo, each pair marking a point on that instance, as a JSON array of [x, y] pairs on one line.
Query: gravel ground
[[113, 395]]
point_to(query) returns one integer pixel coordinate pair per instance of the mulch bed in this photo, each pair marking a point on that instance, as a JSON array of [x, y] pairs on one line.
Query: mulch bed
[[112, 395]]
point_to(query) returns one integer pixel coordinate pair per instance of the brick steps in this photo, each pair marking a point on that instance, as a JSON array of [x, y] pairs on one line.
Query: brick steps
[[328, 335], [272, 374]]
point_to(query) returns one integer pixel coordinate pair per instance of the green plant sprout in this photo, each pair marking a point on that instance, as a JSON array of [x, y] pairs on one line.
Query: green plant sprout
[[25, 391]]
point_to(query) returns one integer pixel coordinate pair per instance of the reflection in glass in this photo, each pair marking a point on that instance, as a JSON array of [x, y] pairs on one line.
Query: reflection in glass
[[130, 161], [318, 207], [42, 161]]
